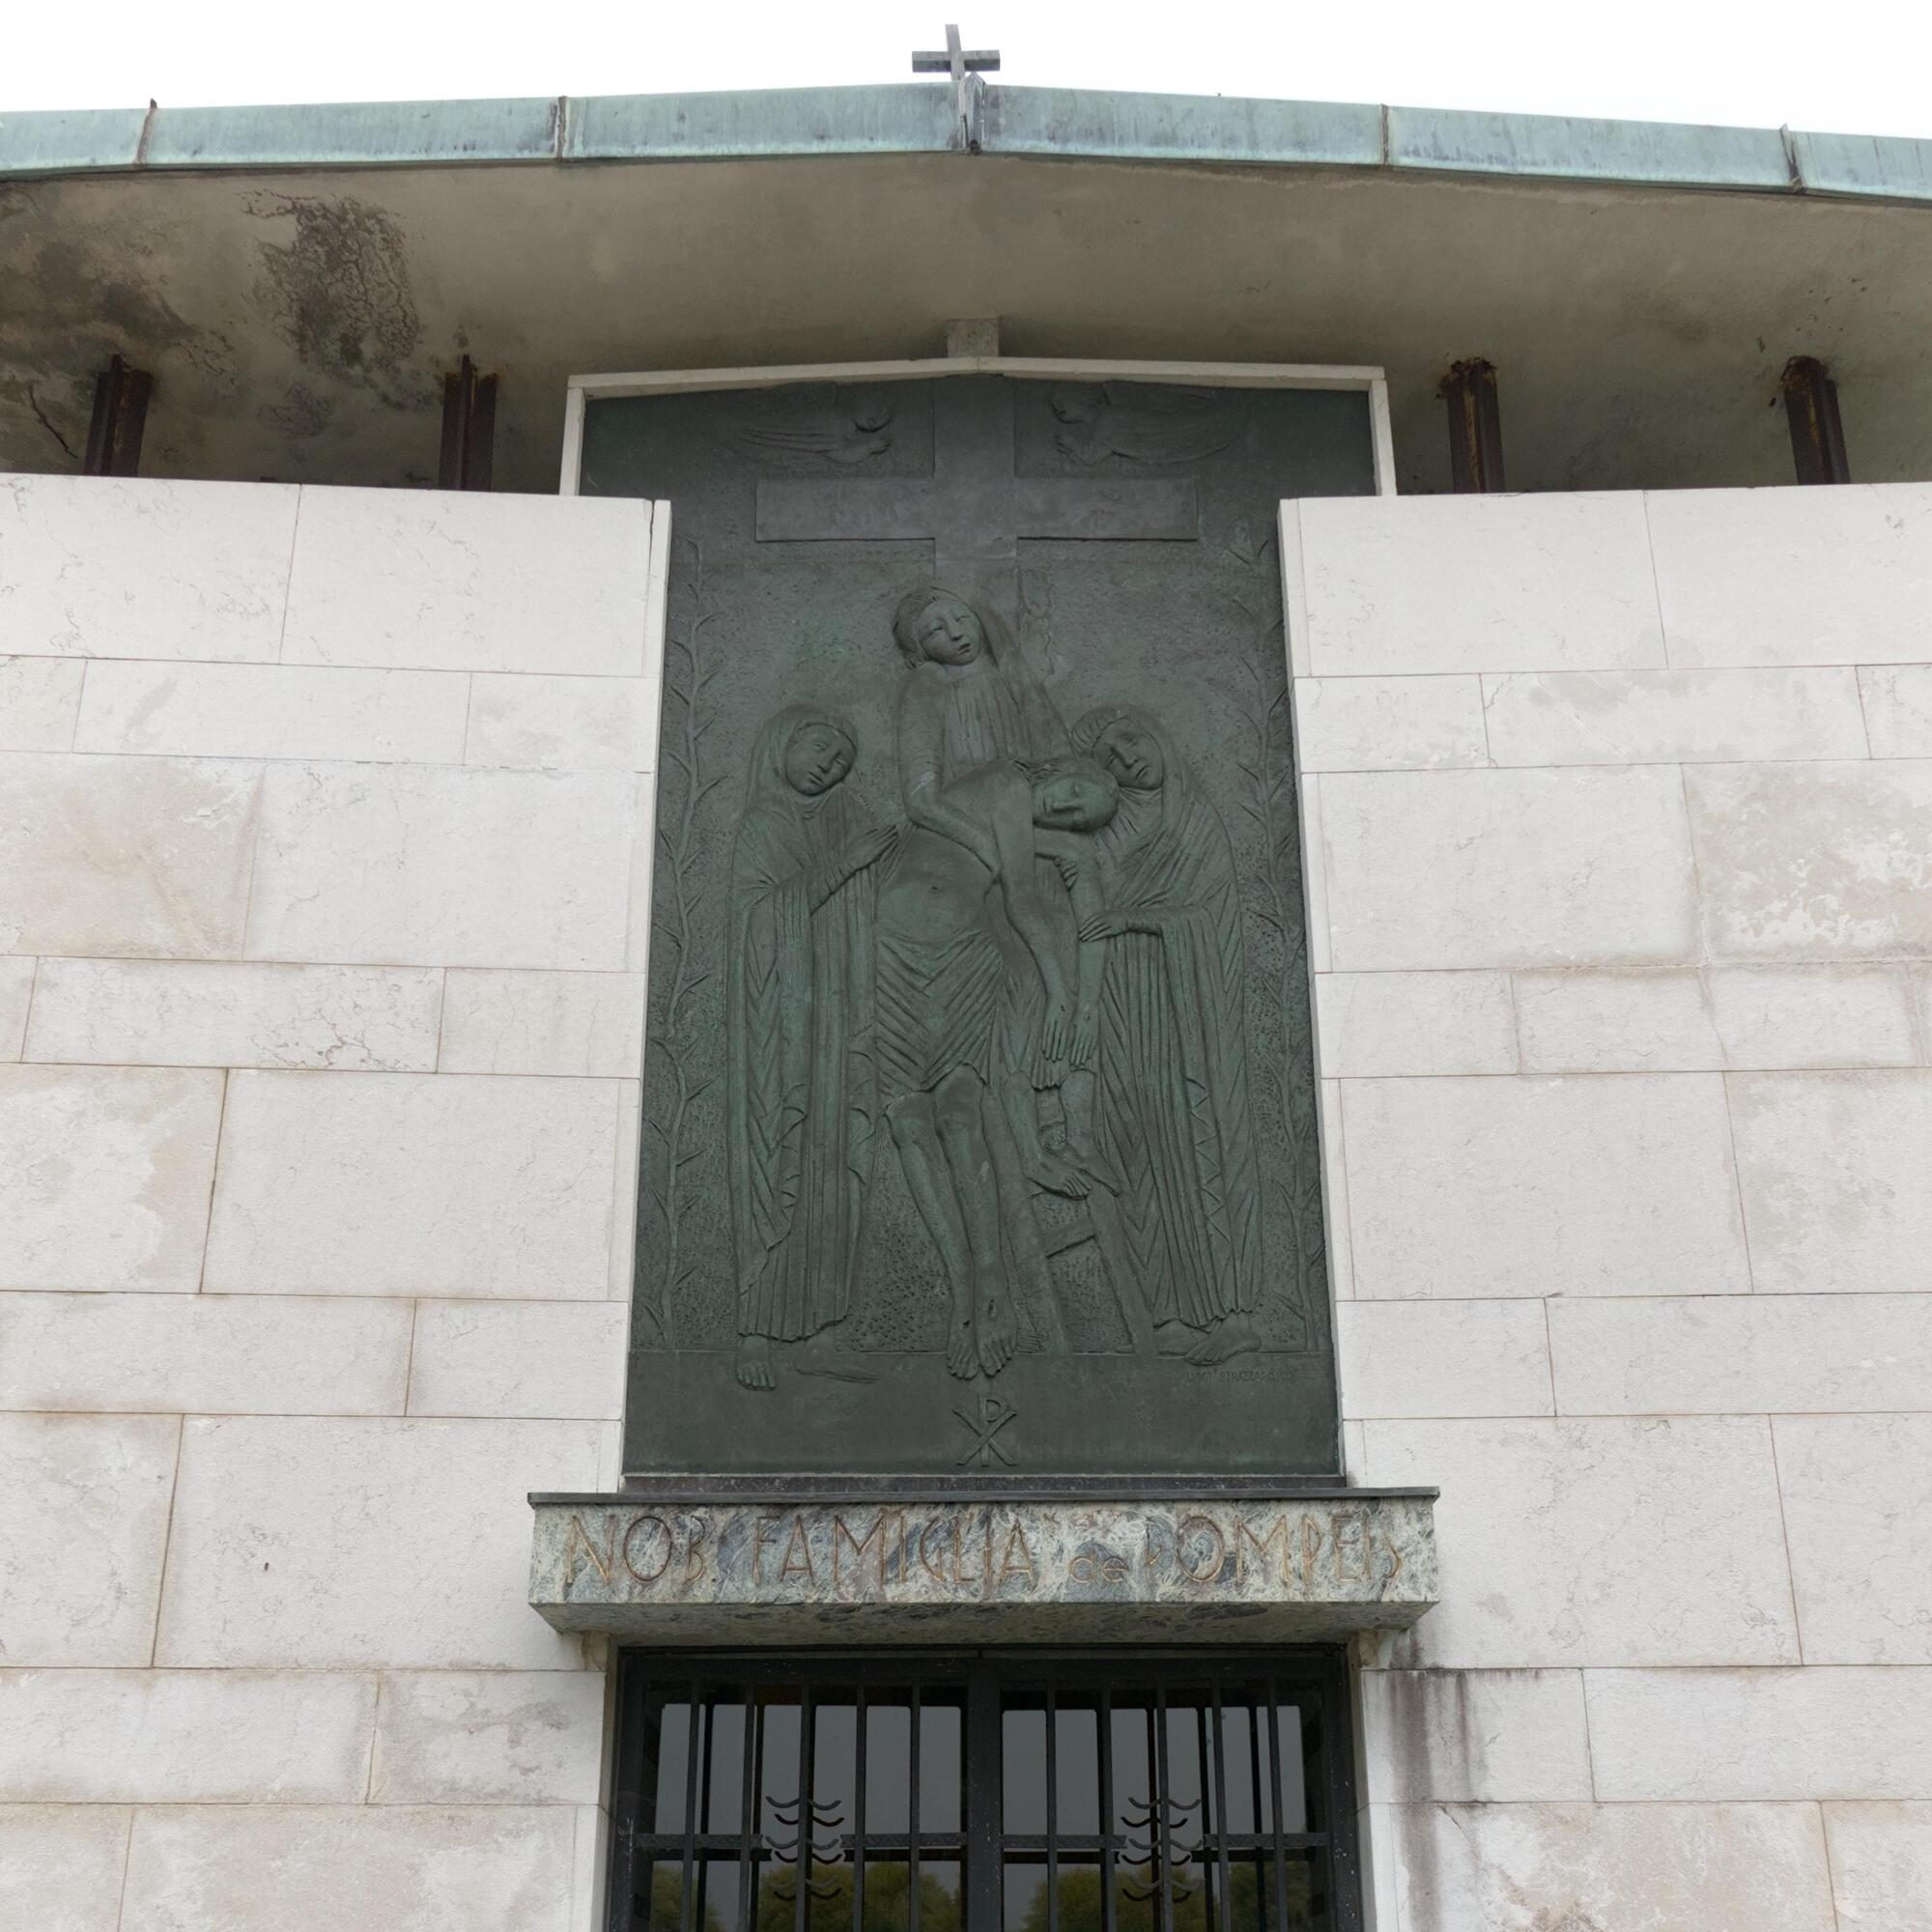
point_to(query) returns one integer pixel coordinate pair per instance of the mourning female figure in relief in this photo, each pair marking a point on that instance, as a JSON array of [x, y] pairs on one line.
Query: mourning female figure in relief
[[799, 1027], [1173, 1116]]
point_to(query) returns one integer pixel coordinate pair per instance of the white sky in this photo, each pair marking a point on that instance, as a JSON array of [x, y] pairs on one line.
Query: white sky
[[1856, 65]]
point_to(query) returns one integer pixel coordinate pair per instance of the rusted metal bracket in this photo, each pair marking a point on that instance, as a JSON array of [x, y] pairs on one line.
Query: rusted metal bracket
[[1475, 427], [120, 416], [469, 429], [1817, 433]]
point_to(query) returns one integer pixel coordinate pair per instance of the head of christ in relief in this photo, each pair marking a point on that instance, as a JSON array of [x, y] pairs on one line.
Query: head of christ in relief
[[933, 626]]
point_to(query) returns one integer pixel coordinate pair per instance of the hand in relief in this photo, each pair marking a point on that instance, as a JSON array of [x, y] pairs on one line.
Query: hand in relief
[[1107, 926], [870, 848], [1058, 1026]]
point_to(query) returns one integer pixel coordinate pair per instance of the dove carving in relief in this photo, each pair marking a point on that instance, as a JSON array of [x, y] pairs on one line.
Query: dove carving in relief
[[844, 426], [1094, 421]]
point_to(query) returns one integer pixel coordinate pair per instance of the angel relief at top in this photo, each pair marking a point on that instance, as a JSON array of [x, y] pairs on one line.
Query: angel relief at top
[[1021, 982]]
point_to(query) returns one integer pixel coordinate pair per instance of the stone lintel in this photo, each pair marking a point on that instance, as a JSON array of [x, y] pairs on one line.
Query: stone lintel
[[1289, 1568]]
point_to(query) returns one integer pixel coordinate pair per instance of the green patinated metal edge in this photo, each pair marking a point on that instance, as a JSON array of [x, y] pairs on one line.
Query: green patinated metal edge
[[918, 118]]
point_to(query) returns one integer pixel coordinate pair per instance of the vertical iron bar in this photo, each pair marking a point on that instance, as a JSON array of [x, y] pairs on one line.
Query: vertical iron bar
[[858, 1809], [1227, 1912], [913, 1818], [1475, 427], [1255, 1786], [1105, 1719], [704, 1809], [1280, 1850], [747, 1817], [688, 1895], [1817, 430], [1159, 1808], [1052, 1812], [984, 1790], [806, 1812]]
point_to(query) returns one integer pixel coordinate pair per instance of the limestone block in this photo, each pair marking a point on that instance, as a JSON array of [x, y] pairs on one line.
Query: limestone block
[[1388, 724], [1615, 1022], [1833, 1168], [1765, 1734], [40, 700], [1507, 869], [185, 1736], [107, 1175], [1607, 1542], [453, 1184], [1790, 577], [142, 856], [1801, 1016], [567, 723], [1881, 1864], [1814, 861], [274, 711], [1478, 1188], [1425, 1358], [588, 1023], [83, 1528], [1474, 1737], [439, 866], [1618, 1868], [499, 1736], [1898, 709], [132, 567], [319, 1542], [1374, 1024], [1857, 1508], [448, 581], [351, 1868], [236, 1013], [534, 1358], [17, 995], [209, 1355], [1673, 717], [1742, 1355], [61, 1866], [1474, 583]]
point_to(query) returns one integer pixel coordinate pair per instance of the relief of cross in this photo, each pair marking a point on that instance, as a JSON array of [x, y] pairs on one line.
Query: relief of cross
[[974, 510]]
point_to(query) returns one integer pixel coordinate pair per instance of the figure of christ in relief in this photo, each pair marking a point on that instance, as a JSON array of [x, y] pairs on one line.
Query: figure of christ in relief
[[1175, 1124], [940, 987], [800, 1083]]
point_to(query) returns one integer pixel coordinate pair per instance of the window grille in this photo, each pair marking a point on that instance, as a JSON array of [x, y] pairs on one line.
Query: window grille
[[1006, 1792]]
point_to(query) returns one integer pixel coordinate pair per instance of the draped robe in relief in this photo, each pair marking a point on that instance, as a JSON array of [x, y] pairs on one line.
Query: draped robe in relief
[[1174, 1115], [798, 1044]]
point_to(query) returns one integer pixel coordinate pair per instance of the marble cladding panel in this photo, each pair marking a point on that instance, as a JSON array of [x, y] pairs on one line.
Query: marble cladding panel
[[1881, 1864], [274, 711], [236, 1013], [1814, 861], [323, 1543], [206, 1354], [1371, 1025], [1739, 1354], [1612, 1543], [185, 1736], [83, 1531], [1427, 1358], [1477, 583], [1898, 709], [107, 1172], [1477, 1188], [477, 1185], [1474, 1737], [1388, 724], [1673, 717], [1793, 576], [353, 1869], [1857, 1511], [40, 702], [61, 1866], [520, 1358], [563, 724], [442, 865], [522, 1022], [124, 567], [1760, 1734], [1436, 869], [16, 996], [144, 857], [1618, 1868], [1833, 1169], [498, 1737], [454, 580]]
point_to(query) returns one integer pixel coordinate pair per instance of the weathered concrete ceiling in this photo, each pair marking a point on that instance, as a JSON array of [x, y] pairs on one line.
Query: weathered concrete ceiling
[[297, 319]]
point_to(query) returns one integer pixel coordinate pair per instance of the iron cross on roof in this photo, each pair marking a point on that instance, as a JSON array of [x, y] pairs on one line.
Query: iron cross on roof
[[973, 509], [957, 60]]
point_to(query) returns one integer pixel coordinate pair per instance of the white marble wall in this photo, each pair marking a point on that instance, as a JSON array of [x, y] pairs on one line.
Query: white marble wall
[[1620, 829], [320, 994]]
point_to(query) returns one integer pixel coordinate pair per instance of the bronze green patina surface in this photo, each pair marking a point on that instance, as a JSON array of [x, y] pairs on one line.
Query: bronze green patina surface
[[980, 1113]]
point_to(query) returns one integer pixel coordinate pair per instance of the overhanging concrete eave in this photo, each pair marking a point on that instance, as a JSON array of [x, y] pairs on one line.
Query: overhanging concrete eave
[[918, 118]]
